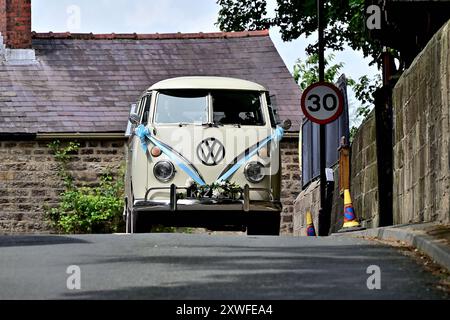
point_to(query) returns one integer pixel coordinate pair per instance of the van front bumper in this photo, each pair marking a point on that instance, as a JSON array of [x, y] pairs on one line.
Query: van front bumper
[[207, 204]]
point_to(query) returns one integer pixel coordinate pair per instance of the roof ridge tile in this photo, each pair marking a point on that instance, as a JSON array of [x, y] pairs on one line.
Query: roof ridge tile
[[149, 36]]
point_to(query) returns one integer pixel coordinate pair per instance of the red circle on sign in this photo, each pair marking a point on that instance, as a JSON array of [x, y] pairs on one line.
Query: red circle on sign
[[340, 107]]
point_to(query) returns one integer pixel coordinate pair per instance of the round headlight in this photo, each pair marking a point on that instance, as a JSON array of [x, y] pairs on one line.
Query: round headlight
[[254, 172], [164, 171]]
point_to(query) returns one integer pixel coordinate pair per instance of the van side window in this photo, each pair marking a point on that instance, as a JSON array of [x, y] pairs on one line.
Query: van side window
[[140, 105], [274, 117], [146, 113]]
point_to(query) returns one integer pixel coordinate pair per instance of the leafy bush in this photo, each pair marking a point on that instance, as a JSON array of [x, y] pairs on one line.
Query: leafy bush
[[86, 209], [90, 209]]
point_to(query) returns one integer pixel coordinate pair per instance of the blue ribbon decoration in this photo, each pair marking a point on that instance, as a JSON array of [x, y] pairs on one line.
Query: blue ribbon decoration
[[144, 133], [276, 136]]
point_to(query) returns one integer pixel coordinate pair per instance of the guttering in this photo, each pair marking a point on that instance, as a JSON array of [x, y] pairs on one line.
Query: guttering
[[83, 135], [17, 136]]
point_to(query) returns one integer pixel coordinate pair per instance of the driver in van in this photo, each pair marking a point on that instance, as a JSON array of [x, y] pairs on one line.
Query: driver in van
[[231, 117]]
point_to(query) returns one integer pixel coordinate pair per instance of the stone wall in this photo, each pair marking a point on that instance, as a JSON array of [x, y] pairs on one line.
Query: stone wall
[[29, 180], [364, 173], [308, 199], [364, 186], [291, 182], [421, 101]]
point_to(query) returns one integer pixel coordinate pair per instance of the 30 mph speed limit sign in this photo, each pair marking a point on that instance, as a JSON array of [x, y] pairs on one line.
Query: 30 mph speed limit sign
[[322, 102]]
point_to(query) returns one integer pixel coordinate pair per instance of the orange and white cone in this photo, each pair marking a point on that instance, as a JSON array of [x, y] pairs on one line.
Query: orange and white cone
[[350, 221], [310, 231]]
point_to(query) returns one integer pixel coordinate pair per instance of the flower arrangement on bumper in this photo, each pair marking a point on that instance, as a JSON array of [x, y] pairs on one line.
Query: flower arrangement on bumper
[[217, 190]]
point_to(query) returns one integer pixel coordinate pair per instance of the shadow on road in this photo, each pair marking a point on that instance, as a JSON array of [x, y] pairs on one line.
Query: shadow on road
[[240, 272], [38, 240]]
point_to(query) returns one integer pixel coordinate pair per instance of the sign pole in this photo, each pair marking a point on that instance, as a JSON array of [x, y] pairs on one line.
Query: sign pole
[[322, 103], [324, 216]]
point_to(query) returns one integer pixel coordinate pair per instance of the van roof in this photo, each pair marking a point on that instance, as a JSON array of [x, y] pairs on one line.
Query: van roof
[[204, 82]]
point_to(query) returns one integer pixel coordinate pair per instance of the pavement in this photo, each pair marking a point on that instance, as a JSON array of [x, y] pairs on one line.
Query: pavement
[[212, 267], [432, 239]]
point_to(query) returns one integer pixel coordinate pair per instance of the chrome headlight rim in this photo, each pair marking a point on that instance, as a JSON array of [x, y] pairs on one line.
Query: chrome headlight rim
[[246, 173], [164, 162]]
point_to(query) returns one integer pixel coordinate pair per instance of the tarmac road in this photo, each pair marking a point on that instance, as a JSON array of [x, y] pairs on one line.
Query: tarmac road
[[200, 266]]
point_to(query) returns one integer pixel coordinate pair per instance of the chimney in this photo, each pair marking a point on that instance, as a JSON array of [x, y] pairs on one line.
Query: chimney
[[15, 23]]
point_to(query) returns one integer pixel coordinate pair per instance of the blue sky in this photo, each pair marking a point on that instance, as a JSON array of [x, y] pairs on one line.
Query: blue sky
[[150, 16]]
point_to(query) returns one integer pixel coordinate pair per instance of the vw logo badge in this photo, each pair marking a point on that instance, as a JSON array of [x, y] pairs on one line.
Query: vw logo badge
[[210, 151]]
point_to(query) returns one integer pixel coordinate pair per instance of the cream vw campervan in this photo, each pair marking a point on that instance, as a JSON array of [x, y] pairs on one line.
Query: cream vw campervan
[[204, 152]]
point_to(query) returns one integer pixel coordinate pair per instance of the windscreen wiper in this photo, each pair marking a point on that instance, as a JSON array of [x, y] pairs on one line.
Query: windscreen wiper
[[210, 124]]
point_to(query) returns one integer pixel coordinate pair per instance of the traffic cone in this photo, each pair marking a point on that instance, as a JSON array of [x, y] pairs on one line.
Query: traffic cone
[[350, 221], [310, 231]]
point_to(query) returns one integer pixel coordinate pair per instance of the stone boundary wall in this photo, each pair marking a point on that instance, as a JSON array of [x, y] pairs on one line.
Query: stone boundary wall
[[290, 182], [29, 180], [421, 101], [309, 199], [363, 188], [364, 173]]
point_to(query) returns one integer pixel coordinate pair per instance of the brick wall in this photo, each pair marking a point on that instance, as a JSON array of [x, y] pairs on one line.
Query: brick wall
[[2, 16], [15, 23], [29, 181], [421, 138]]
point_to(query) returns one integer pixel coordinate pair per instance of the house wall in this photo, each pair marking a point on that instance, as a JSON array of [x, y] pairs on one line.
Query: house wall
[[29, 182], [421, 136]]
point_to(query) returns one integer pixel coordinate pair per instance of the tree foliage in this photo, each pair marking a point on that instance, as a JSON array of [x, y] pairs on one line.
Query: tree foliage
[[344, 20], [307, 72]]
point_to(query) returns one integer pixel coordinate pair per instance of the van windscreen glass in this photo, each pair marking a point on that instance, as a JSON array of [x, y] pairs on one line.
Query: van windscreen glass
[[237, 108], [182, 106]]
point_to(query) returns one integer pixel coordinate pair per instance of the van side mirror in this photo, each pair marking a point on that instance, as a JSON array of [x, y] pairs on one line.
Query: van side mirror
[[286, 124], [134, 117]]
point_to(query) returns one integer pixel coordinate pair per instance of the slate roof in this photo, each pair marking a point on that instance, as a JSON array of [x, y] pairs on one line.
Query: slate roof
[[85, 83]]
